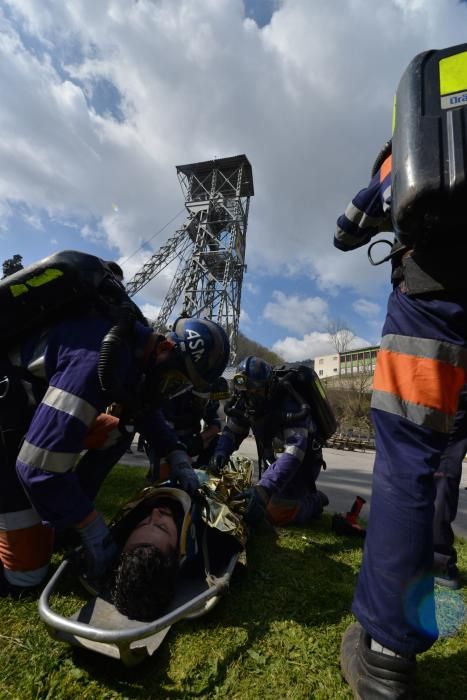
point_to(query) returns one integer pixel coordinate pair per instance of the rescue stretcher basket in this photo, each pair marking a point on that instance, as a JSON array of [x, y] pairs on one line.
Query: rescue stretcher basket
[[99, 626]]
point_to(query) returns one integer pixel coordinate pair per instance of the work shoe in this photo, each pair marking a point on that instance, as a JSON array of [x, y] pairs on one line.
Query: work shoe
[[373, 675], [449, 577]]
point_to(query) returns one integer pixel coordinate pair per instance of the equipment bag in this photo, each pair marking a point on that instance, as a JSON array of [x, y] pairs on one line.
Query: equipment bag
[[47, 290], [429, 147], [305, 382]]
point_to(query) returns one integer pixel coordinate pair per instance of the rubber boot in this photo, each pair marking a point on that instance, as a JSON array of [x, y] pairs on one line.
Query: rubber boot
[[371, 674]]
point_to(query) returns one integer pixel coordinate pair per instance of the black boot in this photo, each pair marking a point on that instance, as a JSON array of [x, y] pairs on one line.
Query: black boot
[[371, 674]]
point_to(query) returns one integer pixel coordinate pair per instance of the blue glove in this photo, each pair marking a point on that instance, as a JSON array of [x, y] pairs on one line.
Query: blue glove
[[256, 501], [217, 463], [99, 546], [182, 472]]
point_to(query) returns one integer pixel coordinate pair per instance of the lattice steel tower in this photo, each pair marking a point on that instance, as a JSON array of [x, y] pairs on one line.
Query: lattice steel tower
[[210, 246]]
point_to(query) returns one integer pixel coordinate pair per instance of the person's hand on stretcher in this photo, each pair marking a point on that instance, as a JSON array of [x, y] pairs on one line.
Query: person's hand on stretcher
[[100, 550], [181, 471]]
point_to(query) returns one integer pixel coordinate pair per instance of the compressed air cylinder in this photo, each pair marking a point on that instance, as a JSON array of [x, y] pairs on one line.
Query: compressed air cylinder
[[429, 147]]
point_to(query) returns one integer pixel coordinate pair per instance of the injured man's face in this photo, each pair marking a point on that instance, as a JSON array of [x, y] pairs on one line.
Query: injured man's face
[[158, 529], [147, 570]]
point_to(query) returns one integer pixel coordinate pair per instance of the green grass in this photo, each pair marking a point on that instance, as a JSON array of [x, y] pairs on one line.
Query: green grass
[[275, 635]]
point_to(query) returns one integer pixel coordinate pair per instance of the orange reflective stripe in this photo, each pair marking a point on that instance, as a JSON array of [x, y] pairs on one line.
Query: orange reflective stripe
[[385, 168], [419, 380], [27, 549], [280, 514], [99, 432]]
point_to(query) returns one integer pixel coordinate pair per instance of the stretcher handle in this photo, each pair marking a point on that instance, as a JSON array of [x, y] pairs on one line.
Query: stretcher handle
[[98, 634]]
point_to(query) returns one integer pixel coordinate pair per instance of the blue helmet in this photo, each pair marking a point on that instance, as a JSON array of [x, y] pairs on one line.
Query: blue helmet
[[204, 349], [252, 373]]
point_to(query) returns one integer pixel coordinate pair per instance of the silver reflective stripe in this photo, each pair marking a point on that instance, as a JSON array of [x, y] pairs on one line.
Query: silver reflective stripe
[[19, 520], [38, 458], [26, 578], [357, 216], [112, 438], [71, 404], [423, 347], [295, 452], [387, 199], [37, 364], [420, 415]]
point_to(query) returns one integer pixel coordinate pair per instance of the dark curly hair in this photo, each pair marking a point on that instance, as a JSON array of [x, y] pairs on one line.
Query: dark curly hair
[[144, 582]]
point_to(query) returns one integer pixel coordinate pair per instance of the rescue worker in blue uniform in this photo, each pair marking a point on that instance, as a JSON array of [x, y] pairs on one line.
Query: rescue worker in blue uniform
[[286, 492], [42, 490], [420, 372], [195, 417]]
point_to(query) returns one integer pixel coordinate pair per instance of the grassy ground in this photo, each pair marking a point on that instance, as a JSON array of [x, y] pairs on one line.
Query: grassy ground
[[275, 635]]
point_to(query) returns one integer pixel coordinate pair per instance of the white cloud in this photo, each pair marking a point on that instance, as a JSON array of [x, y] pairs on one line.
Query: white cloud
[[308, 98], [250, 287], [366, 308], [310, 346], [296, 313], [150, 311], [245, 319]]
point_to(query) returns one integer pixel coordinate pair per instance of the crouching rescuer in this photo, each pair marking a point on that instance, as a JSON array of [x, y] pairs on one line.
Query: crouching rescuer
[[282, 404], [75, 345]]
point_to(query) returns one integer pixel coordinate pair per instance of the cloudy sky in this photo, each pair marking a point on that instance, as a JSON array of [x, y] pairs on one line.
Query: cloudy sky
[[100, 100]]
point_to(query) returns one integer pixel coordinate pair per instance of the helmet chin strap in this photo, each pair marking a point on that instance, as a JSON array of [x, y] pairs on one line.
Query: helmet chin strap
[[181, 391]]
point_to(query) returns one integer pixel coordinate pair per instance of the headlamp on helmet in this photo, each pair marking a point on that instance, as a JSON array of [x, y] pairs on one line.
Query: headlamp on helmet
[[253, 375]]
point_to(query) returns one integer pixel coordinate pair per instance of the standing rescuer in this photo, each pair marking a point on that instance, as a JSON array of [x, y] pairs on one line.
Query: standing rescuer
[[420, 193], [56, 385]]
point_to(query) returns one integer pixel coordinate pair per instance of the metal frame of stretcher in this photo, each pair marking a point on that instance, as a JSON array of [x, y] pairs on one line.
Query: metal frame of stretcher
[[100, 627]]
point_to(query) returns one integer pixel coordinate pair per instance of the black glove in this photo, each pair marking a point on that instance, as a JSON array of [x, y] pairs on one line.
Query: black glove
[[194, 445], [182, 471], [99, 547], [217, 463]]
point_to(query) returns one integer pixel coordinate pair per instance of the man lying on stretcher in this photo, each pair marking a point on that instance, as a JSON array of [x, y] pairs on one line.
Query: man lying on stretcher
[[164, 533]]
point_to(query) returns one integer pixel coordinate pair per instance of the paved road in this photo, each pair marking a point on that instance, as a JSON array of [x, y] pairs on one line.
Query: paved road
[[348, 475]]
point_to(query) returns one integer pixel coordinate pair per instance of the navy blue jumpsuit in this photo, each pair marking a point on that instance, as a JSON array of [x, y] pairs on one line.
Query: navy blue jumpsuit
[[420, 372]]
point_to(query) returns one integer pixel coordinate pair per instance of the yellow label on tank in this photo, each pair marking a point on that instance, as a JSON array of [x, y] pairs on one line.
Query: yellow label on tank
[[47, 276], [394, 114], [453, 73], [18, 289], [37, 281]]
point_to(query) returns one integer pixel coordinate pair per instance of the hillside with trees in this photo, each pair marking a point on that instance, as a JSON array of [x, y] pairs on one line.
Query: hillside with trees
[[246, 347]]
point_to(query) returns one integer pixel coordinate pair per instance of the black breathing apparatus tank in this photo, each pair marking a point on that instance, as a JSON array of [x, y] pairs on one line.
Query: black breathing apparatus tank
[[50, 289], [68, 282], [429, 147], [303, 383]]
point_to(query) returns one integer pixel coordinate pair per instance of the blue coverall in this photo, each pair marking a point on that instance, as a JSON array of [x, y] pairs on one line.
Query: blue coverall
[[43, 484], [420, 371], [290, 478]]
